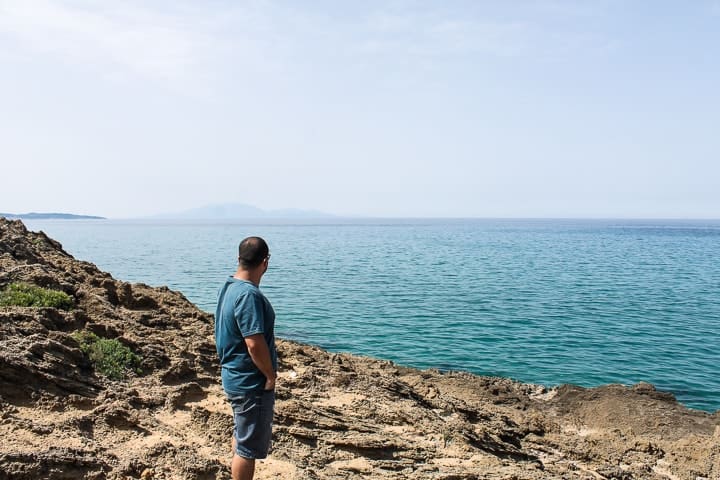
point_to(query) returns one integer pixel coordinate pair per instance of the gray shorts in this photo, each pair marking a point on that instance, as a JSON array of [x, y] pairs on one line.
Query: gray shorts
[[253, 413]]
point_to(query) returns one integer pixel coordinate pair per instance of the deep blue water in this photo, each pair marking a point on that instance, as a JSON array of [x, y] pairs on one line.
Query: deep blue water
[[587, 302]]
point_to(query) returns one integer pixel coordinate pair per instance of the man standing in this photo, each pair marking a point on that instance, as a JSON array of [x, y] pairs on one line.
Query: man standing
[[245, 342]]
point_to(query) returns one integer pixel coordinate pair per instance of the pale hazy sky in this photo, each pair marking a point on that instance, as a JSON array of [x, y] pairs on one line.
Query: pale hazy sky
[[544, 108]]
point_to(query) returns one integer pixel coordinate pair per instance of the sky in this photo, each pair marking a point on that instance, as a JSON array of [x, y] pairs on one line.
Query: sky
[[396, 108]]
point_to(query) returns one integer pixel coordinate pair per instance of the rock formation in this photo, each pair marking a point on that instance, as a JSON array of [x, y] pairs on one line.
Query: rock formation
[[338, 416]]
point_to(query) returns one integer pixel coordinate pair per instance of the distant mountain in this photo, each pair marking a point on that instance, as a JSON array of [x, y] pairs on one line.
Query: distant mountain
[[230, 211], [45, 216]]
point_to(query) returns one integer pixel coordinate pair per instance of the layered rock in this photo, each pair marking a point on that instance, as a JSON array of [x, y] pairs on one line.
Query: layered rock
[[338, 416]]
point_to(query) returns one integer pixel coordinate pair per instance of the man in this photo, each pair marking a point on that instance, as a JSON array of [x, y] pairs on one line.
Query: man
[[245, 341]]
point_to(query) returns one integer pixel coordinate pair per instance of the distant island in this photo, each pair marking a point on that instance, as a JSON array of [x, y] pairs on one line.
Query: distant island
[[232, 211], [46, 216]]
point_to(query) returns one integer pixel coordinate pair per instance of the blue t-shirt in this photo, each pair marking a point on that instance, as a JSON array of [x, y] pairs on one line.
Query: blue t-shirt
[[242, 311]]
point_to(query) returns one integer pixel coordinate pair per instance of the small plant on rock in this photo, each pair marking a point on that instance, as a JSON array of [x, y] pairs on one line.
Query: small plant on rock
[[109, 357], [27, 295]]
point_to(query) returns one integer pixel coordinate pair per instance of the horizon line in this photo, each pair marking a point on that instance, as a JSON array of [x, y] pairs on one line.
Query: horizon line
[[399, 217]]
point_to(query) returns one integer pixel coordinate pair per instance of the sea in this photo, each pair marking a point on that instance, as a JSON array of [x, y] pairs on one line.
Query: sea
[[587, 302]]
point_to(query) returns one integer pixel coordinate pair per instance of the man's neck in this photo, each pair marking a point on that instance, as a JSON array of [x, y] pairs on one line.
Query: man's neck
[[248, 275]]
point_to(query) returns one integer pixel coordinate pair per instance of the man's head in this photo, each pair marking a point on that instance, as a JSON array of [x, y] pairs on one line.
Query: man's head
[[252, 252]]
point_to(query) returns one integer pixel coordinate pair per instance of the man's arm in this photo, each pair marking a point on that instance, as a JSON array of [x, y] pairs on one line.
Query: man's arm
[[260, 354]]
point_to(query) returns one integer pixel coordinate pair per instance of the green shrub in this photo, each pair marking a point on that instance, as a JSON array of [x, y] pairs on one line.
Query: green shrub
[[27, 295], [109, 357]]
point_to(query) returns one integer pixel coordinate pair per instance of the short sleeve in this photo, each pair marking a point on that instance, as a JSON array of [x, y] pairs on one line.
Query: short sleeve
[[250, 314]]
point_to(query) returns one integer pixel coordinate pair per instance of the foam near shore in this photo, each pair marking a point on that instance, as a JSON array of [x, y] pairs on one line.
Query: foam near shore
[[338, 416]]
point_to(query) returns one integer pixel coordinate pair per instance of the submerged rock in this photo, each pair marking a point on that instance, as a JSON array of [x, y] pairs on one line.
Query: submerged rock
[[338, 416]]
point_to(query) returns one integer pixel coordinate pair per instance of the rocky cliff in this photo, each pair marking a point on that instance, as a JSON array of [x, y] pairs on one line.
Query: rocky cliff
[[338, 416]]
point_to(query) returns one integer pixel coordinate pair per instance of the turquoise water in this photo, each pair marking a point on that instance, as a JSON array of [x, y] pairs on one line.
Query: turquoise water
[[542, 301]]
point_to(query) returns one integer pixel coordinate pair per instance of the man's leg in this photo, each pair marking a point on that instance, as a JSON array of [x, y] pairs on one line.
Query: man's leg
[[242, 468], [253, 430]]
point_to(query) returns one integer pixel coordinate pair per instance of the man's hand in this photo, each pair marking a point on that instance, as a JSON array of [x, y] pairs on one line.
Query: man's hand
[[270, 384]]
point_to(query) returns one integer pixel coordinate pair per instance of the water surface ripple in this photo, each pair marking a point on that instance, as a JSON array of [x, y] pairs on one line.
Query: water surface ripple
[[543, 301]]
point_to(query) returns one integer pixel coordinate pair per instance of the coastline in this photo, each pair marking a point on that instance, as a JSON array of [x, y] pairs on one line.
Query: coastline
[[562, 308], [338, 415]]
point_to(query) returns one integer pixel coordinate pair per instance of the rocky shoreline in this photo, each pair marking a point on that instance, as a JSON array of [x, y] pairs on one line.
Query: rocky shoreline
[[338, 416]]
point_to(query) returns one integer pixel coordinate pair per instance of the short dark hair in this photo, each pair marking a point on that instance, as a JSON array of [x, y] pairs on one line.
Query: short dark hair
[[252, 251]]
